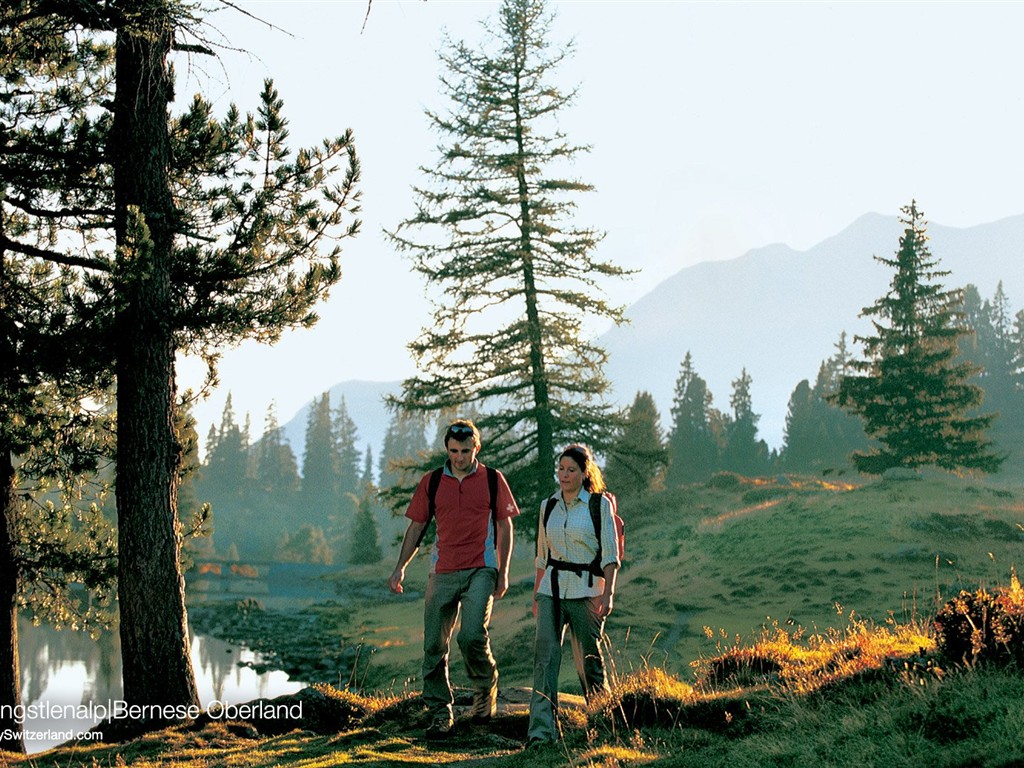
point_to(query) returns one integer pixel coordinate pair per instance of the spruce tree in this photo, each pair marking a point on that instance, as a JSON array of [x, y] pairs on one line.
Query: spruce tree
[[364, 547], [804, 433], [516, 278], [277, 474], [820, 436], [694, 439], [638, 457], [404, 443], [320, 496], [989, 346], [744, 453], [225, 471], [346, 434], [913, 395]]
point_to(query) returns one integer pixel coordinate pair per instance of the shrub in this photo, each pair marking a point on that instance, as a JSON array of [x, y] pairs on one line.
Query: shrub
[[983, 625], [725, 481]]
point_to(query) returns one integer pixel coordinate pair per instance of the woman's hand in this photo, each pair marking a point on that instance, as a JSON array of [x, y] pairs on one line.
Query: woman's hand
[[602, 604]]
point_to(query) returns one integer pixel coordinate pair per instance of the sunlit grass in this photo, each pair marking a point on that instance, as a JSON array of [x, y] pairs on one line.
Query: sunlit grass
[[798, 662]]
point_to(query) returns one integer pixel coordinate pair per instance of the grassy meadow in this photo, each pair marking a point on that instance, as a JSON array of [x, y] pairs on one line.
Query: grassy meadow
[[782, 621], [707, 564]]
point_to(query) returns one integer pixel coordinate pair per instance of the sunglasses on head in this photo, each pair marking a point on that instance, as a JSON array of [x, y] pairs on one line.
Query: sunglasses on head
[[460, 429]]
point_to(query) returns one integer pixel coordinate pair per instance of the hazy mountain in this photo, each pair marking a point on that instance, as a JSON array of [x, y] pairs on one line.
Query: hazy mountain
[[779, 312], [775, 311]]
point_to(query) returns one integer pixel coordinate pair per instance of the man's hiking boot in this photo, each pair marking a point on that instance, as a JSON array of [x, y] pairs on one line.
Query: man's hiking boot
[[485, 705], [441, 726]]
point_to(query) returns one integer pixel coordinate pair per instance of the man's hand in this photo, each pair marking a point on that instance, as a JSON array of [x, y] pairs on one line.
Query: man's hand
[[396, 579], [501, 586]]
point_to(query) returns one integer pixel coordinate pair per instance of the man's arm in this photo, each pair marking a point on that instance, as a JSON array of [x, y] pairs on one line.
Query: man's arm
[[504, 555], [409, 546]]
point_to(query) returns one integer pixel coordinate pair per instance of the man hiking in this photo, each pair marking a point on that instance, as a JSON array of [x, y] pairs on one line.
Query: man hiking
[[473, 508]]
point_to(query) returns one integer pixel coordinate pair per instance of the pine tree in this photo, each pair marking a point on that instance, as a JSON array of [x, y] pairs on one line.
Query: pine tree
[[516, 277], [695, 437], [364, 547], [277, 473], [53, 198], [346, 435], [404, 443], [743, 453], [990, 347], [820, 436], [911, 392], [367, 477], [804, 434], [320, 497], [218, 233], [225, 471], [638, 456]]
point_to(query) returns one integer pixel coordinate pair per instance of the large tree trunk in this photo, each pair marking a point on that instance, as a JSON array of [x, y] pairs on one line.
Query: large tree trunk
[[156, 661], [10, 669]]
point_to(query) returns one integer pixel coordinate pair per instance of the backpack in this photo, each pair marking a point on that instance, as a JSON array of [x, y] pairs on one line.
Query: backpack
[[435, 482], [594, 566]]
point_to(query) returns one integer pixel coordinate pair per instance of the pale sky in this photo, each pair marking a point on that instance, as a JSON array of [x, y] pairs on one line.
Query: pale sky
[[715, 128]]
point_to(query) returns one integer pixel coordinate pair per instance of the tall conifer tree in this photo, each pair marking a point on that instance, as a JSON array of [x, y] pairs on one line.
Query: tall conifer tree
[[913, 394], [638, 457], [404, 442], [820, 436], [694, 439], [277, 474], [744, 452], [320, 496], [218, 232], [990, 347], [516, 277], [345, 436], [54, 197]]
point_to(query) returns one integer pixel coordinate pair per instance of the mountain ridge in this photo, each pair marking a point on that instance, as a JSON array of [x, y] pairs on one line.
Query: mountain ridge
[[785, 311]]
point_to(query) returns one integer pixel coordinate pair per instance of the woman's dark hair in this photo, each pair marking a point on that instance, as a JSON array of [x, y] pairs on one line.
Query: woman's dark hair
[[593, 480]]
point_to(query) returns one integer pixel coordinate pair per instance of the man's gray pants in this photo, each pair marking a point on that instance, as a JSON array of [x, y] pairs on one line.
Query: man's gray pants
[[470, 592]]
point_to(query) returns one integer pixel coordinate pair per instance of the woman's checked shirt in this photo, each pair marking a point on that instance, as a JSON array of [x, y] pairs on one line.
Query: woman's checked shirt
[[569, 536]]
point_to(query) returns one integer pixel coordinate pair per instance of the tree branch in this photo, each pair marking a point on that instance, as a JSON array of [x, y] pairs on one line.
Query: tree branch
[[52, 256]]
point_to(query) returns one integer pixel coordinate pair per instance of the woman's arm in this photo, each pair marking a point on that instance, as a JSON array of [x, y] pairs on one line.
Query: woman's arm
[[603, 603]]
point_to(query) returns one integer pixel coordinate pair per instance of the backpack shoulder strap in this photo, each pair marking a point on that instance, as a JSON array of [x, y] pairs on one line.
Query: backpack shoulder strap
[[492, 488], [547, 509], [595, 518], [432, 485]]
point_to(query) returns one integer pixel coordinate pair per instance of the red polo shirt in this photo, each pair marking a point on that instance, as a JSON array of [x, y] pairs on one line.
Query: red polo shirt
[[465, 536]]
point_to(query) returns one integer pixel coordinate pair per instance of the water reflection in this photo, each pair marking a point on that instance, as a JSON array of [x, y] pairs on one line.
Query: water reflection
[[71, 673]]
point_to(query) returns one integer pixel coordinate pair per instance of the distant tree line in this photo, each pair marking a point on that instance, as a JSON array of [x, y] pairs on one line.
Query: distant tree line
[[942, 380], [330, 513]]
